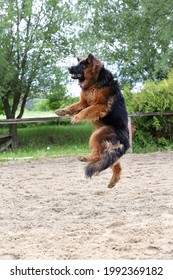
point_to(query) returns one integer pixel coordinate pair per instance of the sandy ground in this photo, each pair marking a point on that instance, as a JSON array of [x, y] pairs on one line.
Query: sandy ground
[[50, 211]]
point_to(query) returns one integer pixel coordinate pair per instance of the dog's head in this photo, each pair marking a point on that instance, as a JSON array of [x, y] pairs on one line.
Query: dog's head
[[86, 71]]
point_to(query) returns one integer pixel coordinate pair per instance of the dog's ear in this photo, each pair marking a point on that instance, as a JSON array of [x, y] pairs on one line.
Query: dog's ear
[[79, 58], [95, 63], [90, 58], [97, 66]]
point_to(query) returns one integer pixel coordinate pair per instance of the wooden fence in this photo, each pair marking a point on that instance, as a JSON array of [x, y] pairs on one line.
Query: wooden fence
[[47, 119]]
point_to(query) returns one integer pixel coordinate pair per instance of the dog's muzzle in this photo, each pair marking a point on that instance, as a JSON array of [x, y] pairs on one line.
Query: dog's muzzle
[[75, 74]]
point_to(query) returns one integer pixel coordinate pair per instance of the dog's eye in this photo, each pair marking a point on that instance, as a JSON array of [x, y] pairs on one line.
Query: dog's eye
[[85, 63], [82, 64]]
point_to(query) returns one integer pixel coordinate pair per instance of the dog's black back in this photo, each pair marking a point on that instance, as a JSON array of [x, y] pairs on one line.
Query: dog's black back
[[117, 117]]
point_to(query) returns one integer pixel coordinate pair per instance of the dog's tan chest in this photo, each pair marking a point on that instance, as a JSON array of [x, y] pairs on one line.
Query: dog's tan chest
[[96, 95]]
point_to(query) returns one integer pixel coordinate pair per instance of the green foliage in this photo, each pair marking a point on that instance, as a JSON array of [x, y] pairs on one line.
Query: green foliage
[[144, 142], [57, 92], [32, 39], [154, 97], [31, 103], [68, 100], [1, 108], [136, 35], [41, 106], [53, 102]]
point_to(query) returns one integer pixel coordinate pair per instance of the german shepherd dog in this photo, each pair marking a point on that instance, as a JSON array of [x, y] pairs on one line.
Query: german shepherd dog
[[102, 103]]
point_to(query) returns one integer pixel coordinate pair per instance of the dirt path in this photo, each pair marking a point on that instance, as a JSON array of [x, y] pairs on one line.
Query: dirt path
[[50, 211]]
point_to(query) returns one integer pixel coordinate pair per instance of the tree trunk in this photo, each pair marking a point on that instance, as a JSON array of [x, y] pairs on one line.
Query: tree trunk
[[12, 127], [13, 133]]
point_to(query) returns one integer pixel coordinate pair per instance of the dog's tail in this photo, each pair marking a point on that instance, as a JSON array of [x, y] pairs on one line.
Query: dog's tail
[[111, 154]]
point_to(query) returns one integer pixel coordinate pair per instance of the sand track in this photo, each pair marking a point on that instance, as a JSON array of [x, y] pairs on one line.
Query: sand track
[[50, 211]]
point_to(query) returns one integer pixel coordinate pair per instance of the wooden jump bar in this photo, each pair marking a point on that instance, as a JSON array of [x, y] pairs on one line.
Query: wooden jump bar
[[150, 114], [45, 119], [31, 120]]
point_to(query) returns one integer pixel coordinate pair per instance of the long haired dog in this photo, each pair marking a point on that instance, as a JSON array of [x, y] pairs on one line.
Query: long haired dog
[[102, 103]]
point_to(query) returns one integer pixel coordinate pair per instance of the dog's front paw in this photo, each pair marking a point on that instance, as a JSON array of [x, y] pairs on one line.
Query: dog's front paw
[[82, 158], [61, 112], [75, 119]]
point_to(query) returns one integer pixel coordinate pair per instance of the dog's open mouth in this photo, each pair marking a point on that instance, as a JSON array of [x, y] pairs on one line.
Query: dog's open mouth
[[76, 76]]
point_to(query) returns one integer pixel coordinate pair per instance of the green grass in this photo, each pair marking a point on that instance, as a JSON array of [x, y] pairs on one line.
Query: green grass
[[34, 114], [55, 139], [50, 140], [38, 114]]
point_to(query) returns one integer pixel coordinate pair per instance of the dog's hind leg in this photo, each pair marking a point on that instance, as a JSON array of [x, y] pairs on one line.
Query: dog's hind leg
[[95, 148], [116, 168], [97, 144]]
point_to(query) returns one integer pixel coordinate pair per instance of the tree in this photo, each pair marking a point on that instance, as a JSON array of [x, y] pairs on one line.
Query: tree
[[136, 35], [54, 97], [32, 39]]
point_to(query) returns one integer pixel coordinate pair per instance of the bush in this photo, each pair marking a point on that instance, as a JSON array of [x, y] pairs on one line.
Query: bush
[[41, 106], [154, 97], [1, 108]]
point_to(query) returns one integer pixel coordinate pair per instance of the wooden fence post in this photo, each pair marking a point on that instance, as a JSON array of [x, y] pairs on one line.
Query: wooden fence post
[[130, 134]]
